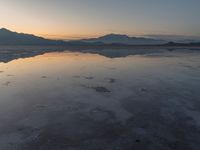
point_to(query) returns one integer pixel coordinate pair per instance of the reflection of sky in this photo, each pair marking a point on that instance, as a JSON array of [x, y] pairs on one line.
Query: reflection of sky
[[61, 77], [78, 18], [28, 72]]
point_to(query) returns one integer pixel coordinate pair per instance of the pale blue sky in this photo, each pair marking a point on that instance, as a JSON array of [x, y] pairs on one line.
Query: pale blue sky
[[83, 18]]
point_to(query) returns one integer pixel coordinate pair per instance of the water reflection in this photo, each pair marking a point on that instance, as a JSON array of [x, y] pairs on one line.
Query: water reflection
[[71, 97], [9, 53]]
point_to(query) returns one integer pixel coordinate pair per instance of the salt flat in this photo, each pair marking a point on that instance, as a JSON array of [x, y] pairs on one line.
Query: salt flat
[[89, 101]]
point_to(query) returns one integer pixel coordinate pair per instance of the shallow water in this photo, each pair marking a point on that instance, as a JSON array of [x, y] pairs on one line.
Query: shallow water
[[73, 100]]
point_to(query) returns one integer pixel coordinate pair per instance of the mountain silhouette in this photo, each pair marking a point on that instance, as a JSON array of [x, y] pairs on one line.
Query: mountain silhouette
[[8, 37], [124, 39]]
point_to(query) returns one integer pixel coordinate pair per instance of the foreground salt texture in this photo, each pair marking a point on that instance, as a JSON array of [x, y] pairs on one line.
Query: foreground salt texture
[[77, 101]]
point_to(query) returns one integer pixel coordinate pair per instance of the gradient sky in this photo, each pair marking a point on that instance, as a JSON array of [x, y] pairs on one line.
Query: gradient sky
[[69, 19]]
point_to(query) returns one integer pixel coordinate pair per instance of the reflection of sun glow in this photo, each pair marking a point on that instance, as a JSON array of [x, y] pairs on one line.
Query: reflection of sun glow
[[51, 61], [70, 62]]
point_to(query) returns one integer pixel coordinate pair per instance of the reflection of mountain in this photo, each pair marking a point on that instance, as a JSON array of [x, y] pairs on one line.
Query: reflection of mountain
[[197, 44], [13, 38], [9, 53], [124, 39], [19, 45]]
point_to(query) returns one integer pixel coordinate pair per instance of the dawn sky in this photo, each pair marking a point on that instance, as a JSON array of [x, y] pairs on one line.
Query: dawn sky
[[68, 19]]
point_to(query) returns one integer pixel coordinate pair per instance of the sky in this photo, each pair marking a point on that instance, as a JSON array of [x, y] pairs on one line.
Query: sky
[[74, 19]]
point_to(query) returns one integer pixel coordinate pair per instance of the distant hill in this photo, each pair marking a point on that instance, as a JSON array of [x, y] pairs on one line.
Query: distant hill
[[124, 39], [8, 37]]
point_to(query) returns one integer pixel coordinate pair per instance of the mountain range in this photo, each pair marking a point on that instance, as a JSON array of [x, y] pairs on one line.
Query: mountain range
[[8, 37], [124, 39]]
